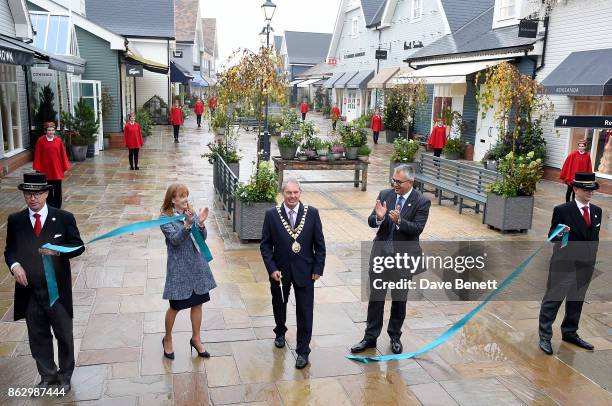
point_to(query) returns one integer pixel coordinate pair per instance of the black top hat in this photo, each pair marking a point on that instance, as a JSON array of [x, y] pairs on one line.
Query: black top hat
[[34, 182], [585, 180]]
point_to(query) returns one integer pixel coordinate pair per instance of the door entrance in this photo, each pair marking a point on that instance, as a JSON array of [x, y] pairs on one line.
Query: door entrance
[[91, 92]]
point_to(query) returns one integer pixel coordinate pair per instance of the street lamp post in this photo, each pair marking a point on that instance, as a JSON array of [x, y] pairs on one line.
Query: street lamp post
[[268, 9]]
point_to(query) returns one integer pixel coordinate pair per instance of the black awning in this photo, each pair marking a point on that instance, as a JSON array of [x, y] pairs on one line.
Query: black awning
[[584, 73], [14, 54], [178, 74], [64, 63]]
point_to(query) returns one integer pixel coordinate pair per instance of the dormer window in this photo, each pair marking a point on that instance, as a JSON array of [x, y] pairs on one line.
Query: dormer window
[[416, 11], [354, 29], [507, 9]]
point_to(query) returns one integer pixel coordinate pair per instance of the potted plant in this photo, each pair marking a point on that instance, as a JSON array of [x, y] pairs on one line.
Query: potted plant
[[227, 151], [288, 144], [253, 199], [78, 145], [308, 135], [337, 150], [144, 119], [352, 138], [363, 153], [301, 156], [510, 199], [322, 147], [219, 122], [494, 154], [453, 149], [404, 152], [395, 114], [81, 128]]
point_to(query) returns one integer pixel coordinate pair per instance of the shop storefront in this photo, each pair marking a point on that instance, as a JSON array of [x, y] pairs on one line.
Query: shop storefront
[[586, 79]]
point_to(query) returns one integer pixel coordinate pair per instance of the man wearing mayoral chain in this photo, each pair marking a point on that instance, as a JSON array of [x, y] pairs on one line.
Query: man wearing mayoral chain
[[293, 250]]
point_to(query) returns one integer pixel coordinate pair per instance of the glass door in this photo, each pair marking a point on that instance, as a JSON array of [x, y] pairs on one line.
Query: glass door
[[90, 91]]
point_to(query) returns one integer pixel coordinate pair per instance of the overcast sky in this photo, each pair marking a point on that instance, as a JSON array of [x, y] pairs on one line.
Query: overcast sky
[[240, 21]]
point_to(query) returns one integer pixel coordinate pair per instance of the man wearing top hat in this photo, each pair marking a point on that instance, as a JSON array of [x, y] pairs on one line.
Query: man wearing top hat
[[27, 231], [571, 267]]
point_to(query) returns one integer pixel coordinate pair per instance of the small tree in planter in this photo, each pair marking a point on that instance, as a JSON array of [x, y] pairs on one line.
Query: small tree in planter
[[253, 199], [453, 148], [404, 152], [352, 138], [228, 151], [81, 128], [401, 103], [510, 201], [308, 134], [144, 119], [288, 143], [45, 113]]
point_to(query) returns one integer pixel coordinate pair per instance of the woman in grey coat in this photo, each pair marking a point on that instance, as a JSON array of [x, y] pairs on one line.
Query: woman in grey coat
[[188, 276]]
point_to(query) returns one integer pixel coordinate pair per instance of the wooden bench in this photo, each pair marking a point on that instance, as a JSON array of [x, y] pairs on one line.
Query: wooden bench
[[248, 123], [281, 165], [464, 181]]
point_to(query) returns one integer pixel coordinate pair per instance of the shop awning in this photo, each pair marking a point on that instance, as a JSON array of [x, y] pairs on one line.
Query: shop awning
[[584, 73], [449, 73], [341, 83], [319, 82], [307, 83], [178, 74], [66, 63], [360, 80], [380, 80], [392, 82], [14, 54], [295, 82], [198, 80], [329, 83], [152, 66]]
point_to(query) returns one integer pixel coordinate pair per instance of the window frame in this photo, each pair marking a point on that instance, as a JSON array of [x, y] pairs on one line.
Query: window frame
[[416, 5], [354, 27], [19, 148], [503, 5]]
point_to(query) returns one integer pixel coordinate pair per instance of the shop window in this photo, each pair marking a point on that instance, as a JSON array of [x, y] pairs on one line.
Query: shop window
[[10, 122], [354, 29], [598, 140], [507, 9], [442, 105], [52, 33]]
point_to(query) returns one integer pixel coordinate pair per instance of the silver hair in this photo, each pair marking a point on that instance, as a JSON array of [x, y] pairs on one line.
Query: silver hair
[[407, 170], [293, 181]]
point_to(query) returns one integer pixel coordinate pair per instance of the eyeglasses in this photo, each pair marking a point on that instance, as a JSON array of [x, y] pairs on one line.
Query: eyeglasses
[[35, 195], [398, 182]]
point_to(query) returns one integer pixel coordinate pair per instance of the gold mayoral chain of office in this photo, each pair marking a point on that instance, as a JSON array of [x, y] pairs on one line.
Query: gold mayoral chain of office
[[294, 233]]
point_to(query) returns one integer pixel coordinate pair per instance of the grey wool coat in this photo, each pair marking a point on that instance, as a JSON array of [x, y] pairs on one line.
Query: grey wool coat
[[187, 271]]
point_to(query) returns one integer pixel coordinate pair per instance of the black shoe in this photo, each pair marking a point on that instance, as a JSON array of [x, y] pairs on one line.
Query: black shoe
[[546, 346], [301, 361], [131, 168], [396, 346], [44, 385], [137, 168], [363, 345], [279, 341], [64, 387], [203, 354], [176, 141], [169, 355], [578, 342]]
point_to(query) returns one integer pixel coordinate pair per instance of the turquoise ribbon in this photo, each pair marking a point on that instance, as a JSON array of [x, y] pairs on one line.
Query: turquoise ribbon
[[459, 325], [127, 229]]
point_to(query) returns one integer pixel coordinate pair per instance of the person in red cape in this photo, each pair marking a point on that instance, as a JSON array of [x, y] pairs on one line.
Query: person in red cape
[[437, 138], [212, 105], [376, 125], [577, 161], [304, 109], [335, 115], [198, 109], [132, 138], [51, 159], [176, 119]]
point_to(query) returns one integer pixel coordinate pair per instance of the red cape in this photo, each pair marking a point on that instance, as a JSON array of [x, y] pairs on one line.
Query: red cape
[[335, 113], [376, 123], [50, 158], [198, 108], [304, 107], [437, 139], [132, 136], [176, 116], [575, 162]]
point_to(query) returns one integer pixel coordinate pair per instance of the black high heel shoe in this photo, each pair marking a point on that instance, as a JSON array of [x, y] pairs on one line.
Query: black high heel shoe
[[169, 355], [203, 354]]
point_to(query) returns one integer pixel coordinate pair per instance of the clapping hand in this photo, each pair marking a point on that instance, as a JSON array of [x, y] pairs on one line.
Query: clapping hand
[[202, 216], [395, 214], [189, 213], [380, 209]]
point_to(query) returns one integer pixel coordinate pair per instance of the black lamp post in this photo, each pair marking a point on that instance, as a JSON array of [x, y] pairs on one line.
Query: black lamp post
[[268, 9]]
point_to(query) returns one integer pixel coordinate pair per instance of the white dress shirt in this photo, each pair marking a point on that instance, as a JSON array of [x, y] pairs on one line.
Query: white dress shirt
[[295, 210], [379, 222], [44, 212], [580, 206]]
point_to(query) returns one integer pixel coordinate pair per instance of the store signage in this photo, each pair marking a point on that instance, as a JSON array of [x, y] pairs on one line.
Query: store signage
[[413, 44], [135, 71], [178, 53], [15, 57], [331, 61], [584, 122], [381, 54], [528, 28], [42, 75], [356, 55]]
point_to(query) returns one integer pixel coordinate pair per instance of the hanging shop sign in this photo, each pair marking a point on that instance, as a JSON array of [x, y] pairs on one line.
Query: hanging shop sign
[[135, 71], [381, 54], [584, 122], [528, 28]]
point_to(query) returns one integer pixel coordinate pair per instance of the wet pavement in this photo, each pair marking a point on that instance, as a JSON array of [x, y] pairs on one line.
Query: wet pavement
[[119, 311]]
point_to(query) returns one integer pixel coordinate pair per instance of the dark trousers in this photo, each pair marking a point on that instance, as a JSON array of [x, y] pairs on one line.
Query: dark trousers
[[376, 309], [564, 286], [304, 302], [199, 119], [437, 151], [40, 321], [176, 131], [133, 154], [55, 194], [303, 116], [569, 194], [375, 134], [334, 122]]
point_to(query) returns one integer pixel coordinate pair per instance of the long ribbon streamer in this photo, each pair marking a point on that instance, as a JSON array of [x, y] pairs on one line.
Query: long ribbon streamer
[[127, 229], [459, 325]]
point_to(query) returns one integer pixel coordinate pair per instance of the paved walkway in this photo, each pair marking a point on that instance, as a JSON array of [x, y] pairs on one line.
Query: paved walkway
[[119, 310]]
